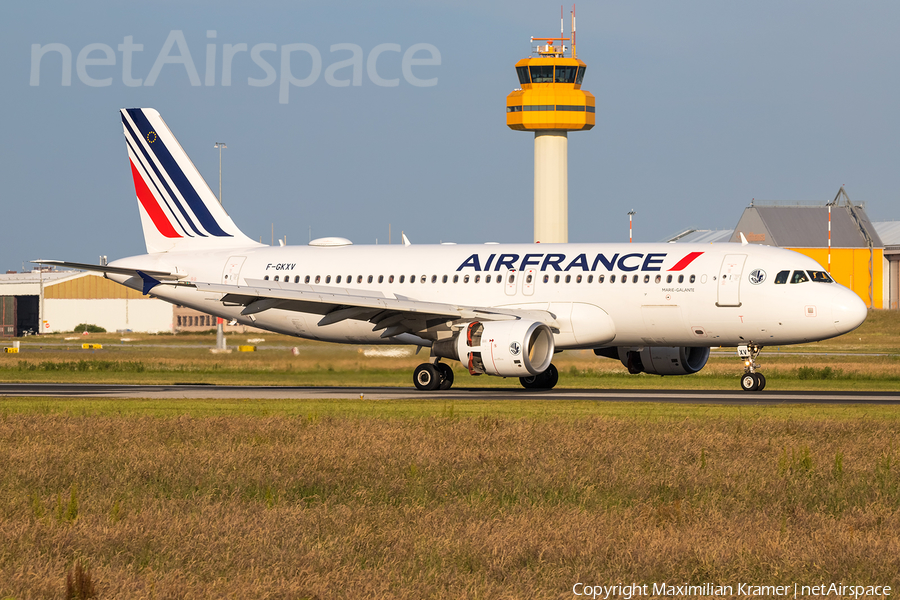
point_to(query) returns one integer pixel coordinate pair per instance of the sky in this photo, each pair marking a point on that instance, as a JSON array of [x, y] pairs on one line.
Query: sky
[[702, 107]]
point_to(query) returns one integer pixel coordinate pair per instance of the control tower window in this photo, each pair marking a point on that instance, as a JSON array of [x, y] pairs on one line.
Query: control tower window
[[580, 76], [542, 74], [522, 72], [566, 74]]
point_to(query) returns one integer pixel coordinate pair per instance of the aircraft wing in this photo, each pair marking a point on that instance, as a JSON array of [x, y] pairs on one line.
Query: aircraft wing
[[394, 315], [160, 275]]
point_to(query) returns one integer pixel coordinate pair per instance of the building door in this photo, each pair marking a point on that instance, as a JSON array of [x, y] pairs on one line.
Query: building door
[[232, 273], [729, 283]]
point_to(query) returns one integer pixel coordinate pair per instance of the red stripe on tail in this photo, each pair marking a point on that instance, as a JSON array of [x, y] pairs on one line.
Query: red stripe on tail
[[145, 196], [681, 264]]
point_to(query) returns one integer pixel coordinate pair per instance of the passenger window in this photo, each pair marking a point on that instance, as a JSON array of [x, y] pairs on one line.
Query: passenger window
[[487, 279], [296, 279], [465, 279], [434, 279], [423, 279], [359, 279], [590, 278], [568, 278], [402, 277], [276, 278], [668, 279], [600, 278], [556, 279], [477, 278], [646, 279], [799, 277], [693, 278], [369, 280], [658, 279], [820, 276], [328, 279], [512, 279], [612, 278], [527, 279], [681, 279], [444, 279], [578, 279], [455, 278], [265, 278], [390, 279], [306, 279], [318, 278], [782, 276], [546, 278], [412, 278]]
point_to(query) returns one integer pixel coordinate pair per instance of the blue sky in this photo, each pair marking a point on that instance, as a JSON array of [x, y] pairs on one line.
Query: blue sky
[[701, 107]]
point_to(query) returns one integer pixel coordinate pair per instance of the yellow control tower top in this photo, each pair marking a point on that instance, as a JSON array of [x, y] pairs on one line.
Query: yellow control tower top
[[551, 96]]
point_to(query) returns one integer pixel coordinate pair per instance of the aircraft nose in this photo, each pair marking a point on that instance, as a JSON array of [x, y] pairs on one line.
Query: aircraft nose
[[848, 310]]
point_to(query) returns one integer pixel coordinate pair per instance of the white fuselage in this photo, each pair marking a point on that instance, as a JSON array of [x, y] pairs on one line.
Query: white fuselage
[[599, 294]]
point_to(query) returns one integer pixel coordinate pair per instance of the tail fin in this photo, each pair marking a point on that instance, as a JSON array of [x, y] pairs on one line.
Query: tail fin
[[178, 210]]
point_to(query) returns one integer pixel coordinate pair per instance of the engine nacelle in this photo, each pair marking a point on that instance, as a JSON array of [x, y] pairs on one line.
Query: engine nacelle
[[502, 348], [659, 360]]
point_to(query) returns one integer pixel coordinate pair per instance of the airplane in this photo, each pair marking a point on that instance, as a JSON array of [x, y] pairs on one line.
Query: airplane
[[499, 309]]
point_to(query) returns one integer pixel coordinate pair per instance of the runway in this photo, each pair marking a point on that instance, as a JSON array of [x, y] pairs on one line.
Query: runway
[[65, 390]]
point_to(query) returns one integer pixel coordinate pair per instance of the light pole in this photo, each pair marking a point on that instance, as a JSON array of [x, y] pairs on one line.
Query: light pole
[[220, 326], [219, 146], [631, 214]]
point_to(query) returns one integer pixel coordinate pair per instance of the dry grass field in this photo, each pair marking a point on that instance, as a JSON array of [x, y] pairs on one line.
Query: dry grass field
[[425, 500]]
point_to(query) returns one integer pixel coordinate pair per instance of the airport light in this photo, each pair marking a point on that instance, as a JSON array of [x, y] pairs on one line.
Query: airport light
[[219, 146]]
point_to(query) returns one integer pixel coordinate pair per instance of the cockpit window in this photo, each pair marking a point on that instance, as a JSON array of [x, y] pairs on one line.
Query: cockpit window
[[782, 277], [820, 276], [799, 277]]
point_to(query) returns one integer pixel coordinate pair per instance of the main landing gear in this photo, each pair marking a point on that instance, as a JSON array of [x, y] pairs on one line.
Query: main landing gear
[[433, 376], [545, 381], [751, 381]]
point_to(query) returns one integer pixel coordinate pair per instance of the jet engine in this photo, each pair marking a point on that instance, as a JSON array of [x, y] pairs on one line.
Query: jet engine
[[502, 348], [659, 360]]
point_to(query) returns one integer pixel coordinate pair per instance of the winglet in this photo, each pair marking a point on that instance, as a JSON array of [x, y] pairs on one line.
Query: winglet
[[744, 241], [149, 282]]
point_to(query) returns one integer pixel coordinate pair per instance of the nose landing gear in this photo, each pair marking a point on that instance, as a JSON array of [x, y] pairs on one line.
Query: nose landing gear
[[751, 381]]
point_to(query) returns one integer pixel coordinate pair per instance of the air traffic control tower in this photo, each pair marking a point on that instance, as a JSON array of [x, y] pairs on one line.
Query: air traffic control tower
[[551, 103]]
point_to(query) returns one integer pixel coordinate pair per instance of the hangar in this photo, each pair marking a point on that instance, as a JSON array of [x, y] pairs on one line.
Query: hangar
[[839, 237], [46, 301]]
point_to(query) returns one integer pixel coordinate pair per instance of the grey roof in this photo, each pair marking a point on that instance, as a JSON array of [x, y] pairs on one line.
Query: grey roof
[[889, 232], [806, 227], [701, 236], [35, 277]]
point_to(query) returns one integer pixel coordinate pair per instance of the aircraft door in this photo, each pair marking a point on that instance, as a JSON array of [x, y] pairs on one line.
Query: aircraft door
[[530, 278], [511, 282], [730, 280], [231, 274]]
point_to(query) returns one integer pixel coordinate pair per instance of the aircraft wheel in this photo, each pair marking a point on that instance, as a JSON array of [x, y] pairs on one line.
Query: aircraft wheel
[[749, 382], [446, 374], [551, 377], [761, 379], [426, 377], [529, 382]]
